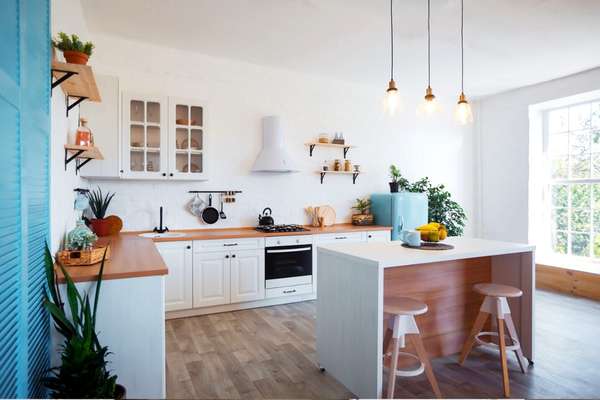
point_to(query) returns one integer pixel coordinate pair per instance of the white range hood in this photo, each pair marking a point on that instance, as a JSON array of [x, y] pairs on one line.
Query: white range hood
[[273, 157]]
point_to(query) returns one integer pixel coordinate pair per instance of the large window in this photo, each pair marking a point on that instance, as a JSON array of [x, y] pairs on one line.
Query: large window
[[573, 148]]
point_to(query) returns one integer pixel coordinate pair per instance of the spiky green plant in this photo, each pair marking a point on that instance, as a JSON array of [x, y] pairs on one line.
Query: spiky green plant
[[83, 372], [99, 203], [362, 205], [65, 42]]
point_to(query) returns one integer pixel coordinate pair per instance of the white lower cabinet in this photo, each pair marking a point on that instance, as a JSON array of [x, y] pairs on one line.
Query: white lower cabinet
[[211, 279], [247, 275], [178, 283]]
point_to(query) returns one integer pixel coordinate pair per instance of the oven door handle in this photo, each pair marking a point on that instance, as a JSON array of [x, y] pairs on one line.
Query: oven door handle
[[289, 250]]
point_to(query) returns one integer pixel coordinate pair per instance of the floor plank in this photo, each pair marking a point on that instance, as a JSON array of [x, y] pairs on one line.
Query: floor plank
[[270, 353]]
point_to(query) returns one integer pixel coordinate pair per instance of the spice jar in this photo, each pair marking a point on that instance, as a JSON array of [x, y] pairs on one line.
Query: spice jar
[[83, 136], [337, 165], [347, 166], [325, 166]]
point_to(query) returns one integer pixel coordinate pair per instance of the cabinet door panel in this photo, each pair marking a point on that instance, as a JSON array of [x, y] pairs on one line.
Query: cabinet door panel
[[178, 283], [378, 236], [247, 275], [211, 279]]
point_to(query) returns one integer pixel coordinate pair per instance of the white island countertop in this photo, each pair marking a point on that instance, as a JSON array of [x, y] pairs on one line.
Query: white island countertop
[[393, 254]]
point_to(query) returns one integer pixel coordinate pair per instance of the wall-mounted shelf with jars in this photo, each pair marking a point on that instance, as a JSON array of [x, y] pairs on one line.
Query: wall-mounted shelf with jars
[[345, 147], [353, 173]]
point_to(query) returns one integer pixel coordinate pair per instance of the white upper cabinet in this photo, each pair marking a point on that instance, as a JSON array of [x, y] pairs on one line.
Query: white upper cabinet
[[103, 121], [144, 137], [187, 144]]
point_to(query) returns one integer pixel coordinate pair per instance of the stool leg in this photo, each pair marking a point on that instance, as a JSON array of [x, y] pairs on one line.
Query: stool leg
[[387, 337], [510, 325], [395, 344], [422, 354], [481, 318], [502, 344]]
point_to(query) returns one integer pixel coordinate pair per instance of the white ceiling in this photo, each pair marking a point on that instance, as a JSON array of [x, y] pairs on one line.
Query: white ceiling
[[508, 43]]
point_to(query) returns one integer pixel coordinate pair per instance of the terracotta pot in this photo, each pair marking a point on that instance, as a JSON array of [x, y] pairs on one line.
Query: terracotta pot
[[101, 227], [76, 57]]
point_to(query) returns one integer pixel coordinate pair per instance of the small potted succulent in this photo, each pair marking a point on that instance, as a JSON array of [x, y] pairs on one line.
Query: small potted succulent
[[99, 205], [364, 217], [74, 50]]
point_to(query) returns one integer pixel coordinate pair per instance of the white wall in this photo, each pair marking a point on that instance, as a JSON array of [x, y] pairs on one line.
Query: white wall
[[239, 94], [503, 131], [67, 16]]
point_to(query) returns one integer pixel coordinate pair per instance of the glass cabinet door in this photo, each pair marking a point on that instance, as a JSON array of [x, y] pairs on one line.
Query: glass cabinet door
[[187, 125], [144, 138]]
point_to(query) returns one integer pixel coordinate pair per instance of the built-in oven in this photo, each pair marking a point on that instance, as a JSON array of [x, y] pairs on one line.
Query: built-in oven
[[288, 265]]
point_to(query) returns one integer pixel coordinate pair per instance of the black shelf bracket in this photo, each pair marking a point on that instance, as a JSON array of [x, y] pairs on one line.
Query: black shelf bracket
[[346, 148], [311, 148], [75, 103], [79, 162], [354, 176], [323, 176], [67, 75]]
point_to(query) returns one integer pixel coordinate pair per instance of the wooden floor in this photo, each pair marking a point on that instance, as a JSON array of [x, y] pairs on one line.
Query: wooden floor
[[270, 353]]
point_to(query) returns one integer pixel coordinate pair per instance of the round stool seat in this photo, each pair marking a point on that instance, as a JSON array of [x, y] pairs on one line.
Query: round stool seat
[[403, 306], [497, 290]]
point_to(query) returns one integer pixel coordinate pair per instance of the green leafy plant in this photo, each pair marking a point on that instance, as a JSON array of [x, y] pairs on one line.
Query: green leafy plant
[[442, 208], [396, 176], [83, 372], [65, 42], [99, 203], [362, 205]]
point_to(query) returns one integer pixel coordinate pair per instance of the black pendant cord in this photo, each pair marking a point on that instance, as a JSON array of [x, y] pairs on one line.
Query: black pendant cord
[[392, 38], [428, 43], [462, 48]]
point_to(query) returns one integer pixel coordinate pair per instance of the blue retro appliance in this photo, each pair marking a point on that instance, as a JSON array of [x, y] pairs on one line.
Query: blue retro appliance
[[403, 210]]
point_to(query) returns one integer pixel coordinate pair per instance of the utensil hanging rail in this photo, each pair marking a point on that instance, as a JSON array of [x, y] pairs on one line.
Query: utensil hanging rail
[[216, 191]]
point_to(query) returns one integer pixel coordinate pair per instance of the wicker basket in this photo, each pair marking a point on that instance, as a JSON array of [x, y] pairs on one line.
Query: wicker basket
[[83, 257]]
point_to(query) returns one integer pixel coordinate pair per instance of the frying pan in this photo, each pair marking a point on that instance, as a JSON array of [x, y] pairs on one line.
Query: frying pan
[[210, 215]]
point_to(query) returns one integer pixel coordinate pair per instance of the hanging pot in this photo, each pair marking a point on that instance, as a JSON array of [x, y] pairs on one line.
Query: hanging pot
[[210, 215]]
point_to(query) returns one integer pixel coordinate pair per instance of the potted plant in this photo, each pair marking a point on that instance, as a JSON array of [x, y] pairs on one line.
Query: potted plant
[[83, 372], [364, 217], [99, 204], [74, 50], [398, 182]]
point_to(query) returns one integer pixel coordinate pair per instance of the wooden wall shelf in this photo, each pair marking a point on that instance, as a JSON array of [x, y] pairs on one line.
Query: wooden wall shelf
[[345, 147], [81, 154], [354, 174], [77, 81]]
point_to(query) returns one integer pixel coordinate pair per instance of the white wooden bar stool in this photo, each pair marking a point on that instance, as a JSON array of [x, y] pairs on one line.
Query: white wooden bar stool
[[495, 304], [400, 313]]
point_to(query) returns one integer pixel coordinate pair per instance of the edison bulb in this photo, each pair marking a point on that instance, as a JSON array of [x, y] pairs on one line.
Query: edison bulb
[[463, 113], [429, 106], [391, 101]]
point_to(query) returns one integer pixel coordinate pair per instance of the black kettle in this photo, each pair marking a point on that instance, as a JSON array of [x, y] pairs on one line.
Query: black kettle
[[266, 219]]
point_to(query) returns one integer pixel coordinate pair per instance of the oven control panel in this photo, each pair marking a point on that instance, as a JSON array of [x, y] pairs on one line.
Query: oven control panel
[[275, 241]]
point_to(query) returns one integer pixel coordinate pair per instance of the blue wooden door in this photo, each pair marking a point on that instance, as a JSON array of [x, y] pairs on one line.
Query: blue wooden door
[[24, 186]]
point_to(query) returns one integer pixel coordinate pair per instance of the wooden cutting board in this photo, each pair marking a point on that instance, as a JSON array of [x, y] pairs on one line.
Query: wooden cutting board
[[328, 215]]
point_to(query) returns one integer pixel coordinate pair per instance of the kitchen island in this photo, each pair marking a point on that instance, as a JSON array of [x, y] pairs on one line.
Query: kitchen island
[[354, 277]]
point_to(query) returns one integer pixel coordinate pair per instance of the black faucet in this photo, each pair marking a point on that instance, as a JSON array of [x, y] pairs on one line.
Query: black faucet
[[160, 229]]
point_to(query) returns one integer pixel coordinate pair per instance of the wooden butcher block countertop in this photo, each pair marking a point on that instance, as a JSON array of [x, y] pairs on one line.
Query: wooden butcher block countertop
[[133, 256]]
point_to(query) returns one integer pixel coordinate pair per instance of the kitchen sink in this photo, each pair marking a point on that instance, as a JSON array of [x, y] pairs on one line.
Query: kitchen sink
[[156, 235]]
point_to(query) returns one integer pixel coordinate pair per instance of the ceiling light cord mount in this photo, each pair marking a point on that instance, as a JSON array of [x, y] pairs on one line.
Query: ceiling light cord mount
[[391, 102], [463, 113], [429, 105]]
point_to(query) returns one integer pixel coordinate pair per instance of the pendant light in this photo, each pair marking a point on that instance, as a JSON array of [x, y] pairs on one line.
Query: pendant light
[[391, 102], [430, 105], [463, 113]]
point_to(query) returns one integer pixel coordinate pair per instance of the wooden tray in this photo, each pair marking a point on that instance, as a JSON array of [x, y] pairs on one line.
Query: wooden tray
[[82, 257], [430, 246]]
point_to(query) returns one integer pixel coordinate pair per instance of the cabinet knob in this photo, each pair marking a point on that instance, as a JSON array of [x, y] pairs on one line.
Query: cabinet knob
[[188, 247], [164, 174], [171, 174], [233, 256], [370, 236], [121, 171], [297, 240], [227, 256]]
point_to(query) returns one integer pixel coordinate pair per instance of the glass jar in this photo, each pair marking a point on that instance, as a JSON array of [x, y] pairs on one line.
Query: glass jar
[[337, 166], [347, 166], [83, 136]]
